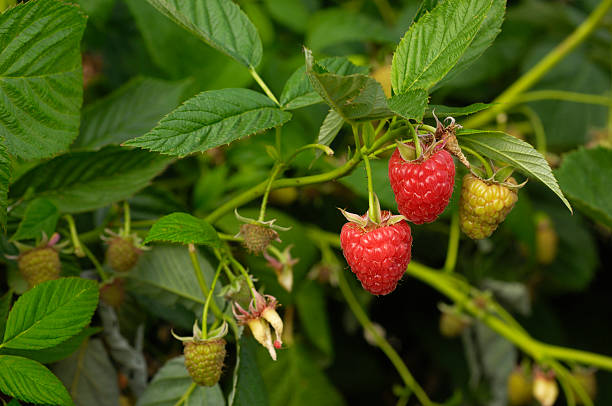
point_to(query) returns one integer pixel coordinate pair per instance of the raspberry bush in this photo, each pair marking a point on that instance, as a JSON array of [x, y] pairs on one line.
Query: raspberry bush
[[171, 173]]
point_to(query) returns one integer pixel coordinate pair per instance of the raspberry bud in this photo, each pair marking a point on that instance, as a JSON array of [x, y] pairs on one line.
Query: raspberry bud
[[545, 388], [257, 237], [452, 322], [113, 292], [39, 265], [484, 205], [204, 360], [519, 387], [122, 255]]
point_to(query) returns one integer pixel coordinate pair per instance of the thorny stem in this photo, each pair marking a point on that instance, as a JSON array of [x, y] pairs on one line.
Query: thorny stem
[[483, 161], [209, 299], [263, 85], [453, 244], [504, 100], [383, 344]]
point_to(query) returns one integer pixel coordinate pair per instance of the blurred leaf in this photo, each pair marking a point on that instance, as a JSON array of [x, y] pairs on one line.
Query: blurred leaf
[[209, 188], [416, 65], [166, 274], [522, 223], [209, 68], [50, 313], [298, 91], [172, 381], [261, 20], [335, 25], [219, 23], [55, 353], [248, 386], [30, 381], [330, 128], [41, 79], [5, 178], [446, 111], [312, 311], [83, 181], [511, 294], [89, 375], [586, 178], [211, 119], [290, 13], [97, 11], [506, 148], [5, 305], [410, 105], [355, 97], [128, 112], [40, 217], [183, 228], [295, 380]]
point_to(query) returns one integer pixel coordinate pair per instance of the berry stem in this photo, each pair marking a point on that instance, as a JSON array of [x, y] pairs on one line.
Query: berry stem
[[428, 128], [324, 148], [372, 209], [74, 236], [243, 271], [209, 299], [275, 171], [200, 277], [126, 219], [95, 263], [417, 142], [481, 159], [453, 244], [186, 395], [383, 344]]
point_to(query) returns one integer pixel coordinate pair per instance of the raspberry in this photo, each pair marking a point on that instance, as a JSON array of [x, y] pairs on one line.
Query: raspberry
[[519, 388], [256, 237], [122, 255], [378, 254], [204, 360], [422, 189], [452, 324], [113, 293], [546, 240], [39, 265], [484, 205]]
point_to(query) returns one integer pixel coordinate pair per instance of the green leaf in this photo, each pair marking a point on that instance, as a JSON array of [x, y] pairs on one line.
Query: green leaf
[[334, 26], [410, 105], [56, 353], [5, 305], [89, 375], [585, 177], [298, 92], [183, 228], [312, 312], [248, 386], [219, 23], [50, 313], [211, 119], [5, 179], [295, 380], [172, 381], [427, 52], [30, 381], [83, 181], [446, 111], [330, 128], [487, 33], [425, 7], [41, 83], [506, 148], [128, 112], [194, 59], [290, 13], [40, 217], [166, 274], [355, 97]]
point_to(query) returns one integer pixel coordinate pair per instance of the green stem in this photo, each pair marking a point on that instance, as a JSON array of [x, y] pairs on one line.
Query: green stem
[[263, 85], [386, 11], [562, 95], [480, 158], [321, 147], [372, 210], [209, 299], [200, 277], [383, 344], [186, 395], [538, 128], [428, 128], [74, 236], [126, 219], [453, 244], [275, 171], [417, 143], [244, 273], [278, 141], [95, 263], [541, 68]]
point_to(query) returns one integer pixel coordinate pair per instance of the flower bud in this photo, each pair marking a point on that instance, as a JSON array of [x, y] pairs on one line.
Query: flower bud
[[545, 388], [272, 317], [261, 332]]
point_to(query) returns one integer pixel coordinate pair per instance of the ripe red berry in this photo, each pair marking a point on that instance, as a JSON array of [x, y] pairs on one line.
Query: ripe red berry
[[39, 265], [422, 188], [378, 254]]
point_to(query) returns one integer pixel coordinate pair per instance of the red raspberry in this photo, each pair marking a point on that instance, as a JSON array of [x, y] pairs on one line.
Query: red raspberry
[[377, 254], [422, 188]]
